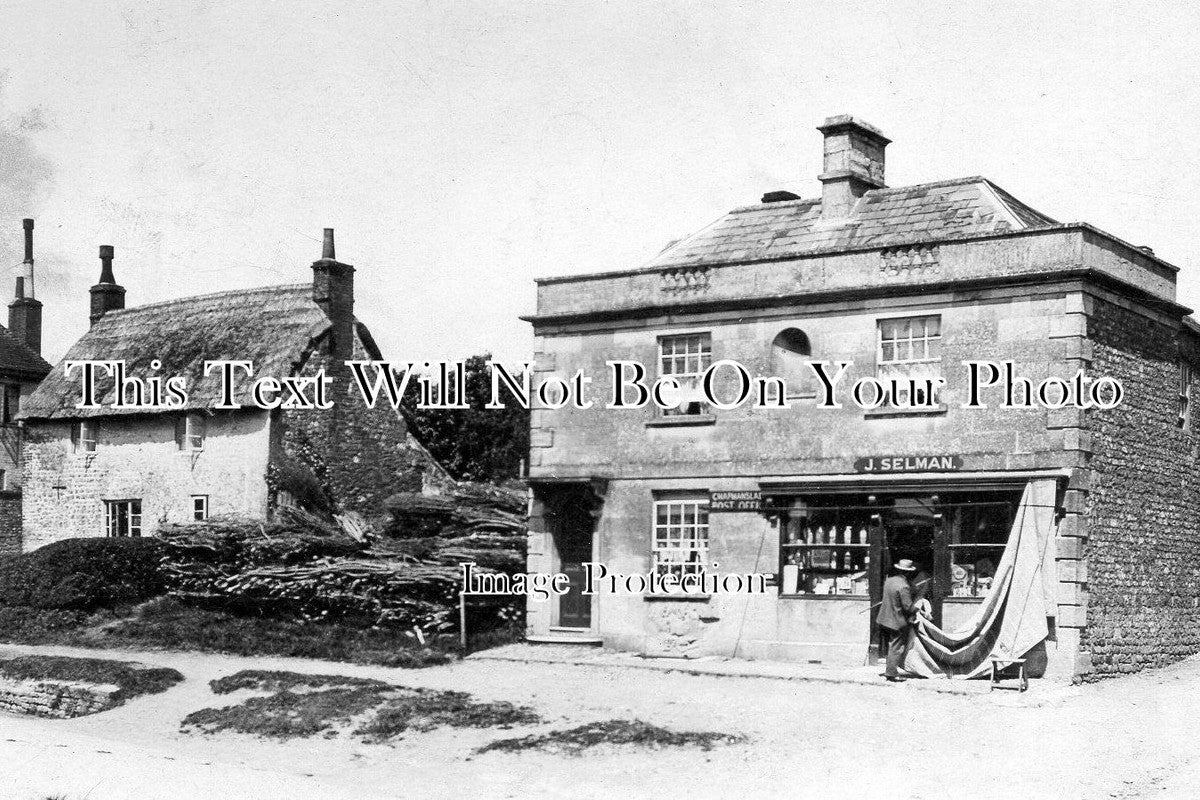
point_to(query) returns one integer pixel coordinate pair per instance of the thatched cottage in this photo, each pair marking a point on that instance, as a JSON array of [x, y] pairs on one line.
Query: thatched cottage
[[123, 472]]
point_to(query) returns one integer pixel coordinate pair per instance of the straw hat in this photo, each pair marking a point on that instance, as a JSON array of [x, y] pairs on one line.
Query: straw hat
[[906, 565]]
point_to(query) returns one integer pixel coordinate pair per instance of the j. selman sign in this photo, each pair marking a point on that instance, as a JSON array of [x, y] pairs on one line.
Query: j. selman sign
[[943, 463]]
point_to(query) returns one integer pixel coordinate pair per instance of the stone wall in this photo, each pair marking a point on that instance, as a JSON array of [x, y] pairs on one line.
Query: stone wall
[[357, 454], [137, 458], [1142, 536], [58, 699]]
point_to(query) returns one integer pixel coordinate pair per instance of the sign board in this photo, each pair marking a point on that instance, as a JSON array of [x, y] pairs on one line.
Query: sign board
[[747, 501], [942, 463]]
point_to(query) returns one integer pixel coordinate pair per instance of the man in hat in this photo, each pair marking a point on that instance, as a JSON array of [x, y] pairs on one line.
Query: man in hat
[[895, 614]]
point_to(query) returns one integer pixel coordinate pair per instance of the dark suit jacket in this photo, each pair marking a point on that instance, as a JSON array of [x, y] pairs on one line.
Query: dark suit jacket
[[897, 607]]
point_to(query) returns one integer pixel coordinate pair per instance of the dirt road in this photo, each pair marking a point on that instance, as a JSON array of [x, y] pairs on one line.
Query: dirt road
[[1129, 738]]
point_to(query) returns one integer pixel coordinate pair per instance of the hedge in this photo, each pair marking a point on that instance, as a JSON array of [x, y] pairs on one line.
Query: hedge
[[83, 574]]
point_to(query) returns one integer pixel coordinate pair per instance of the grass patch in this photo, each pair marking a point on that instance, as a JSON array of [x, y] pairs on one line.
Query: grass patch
[[612, 732], [132, 679], [169, 624], [287, 715], [426, 709], [274, 680], [302, 706]]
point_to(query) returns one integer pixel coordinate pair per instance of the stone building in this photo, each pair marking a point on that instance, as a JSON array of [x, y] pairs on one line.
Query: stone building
[[122, 472], [1068, 536]]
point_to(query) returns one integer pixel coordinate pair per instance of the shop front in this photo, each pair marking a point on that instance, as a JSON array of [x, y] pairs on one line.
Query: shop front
[[975, 540]]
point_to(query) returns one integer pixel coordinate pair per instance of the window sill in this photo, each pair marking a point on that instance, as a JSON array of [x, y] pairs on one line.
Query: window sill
[[894, 413], [667, 598], [866, 597], [681, 421]]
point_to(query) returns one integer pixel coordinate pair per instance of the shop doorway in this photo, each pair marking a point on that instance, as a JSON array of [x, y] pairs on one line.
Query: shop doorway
[[911, 528]]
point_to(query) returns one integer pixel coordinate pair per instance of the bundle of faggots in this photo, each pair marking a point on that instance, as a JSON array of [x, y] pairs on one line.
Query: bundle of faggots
[[304, 565]]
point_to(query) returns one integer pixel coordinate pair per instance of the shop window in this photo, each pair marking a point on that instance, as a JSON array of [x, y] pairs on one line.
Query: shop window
[[1185, 396], [189, 432], [790, 352], [826, 550], [85, 435], [680, 537], [685, 358], [910, 353], [978, 532], [199, 507], [122, 518], [956, 538]]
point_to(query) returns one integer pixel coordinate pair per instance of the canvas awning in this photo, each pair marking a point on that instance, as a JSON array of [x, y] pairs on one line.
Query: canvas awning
[[1012, 619]]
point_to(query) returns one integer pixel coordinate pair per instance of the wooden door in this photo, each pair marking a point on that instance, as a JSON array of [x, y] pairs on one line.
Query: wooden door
[[573, 541]]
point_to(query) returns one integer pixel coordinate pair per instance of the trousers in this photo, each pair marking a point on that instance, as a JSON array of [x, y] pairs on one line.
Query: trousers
[[897, 649]]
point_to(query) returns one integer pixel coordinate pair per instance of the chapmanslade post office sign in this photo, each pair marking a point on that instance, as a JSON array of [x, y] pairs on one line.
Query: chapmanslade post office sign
[[936, 463], [750, 500]]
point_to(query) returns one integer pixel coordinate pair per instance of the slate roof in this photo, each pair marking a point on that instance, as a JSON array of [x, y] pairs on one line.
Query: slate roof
[[882, 217], [273, 327], [18, 360]]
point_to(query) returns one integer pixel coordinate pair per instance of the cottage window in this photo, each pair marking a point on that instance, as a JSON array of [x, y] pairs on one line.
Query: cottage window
[[122, 518], [85, 434], [199, 507], [910, 353], [1185, 396], [680, 537], [189, 432], [12, 403], [685, 358]]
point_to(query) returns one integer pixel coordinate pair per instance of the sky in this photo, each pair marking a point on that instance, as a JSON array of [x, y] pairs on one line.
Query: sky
[[462, 149]]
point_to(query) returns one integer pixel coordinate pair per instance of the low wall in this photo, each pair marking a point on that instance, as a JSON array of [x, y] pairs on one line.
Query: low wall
[[58, 699]]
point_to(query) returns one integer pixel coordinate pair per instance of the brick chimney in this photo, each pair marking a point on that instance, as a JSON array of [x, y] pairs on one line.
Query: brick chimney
[[25, 311], [333, 291], [853, 163], [107, 295]]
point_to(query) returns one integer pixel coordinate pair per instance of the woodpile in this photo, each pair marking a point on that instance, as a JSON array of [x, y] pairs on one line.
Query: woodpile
[[405, 571]]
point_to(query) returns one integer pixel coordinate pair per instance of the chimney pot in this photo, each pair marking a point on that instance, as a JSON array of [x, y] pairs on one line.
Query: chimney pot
[[853, 163], [107, 295], [19, 294], [327, 247], [106, 259], [28, 225]]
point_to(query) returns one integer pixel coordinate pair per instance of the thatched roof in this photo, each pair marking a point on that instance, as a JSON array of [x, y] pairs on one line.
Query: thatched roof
[[18, 361], [275, 327]]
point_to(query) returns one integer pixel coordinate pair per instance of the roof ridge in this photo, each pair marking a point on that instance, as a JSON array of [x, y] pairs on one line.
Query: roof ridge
[[799, 201], [928, 185], [212, 295]]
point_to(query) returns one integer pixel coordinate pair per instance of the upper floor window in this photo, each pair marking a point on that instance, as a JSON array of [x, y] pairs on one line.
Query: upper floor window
[[85, 435], [685, 358], [189, 431], [910, 353], [123, 517], [790, 350], [1185, 396], [12, 403], [680, 537]]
